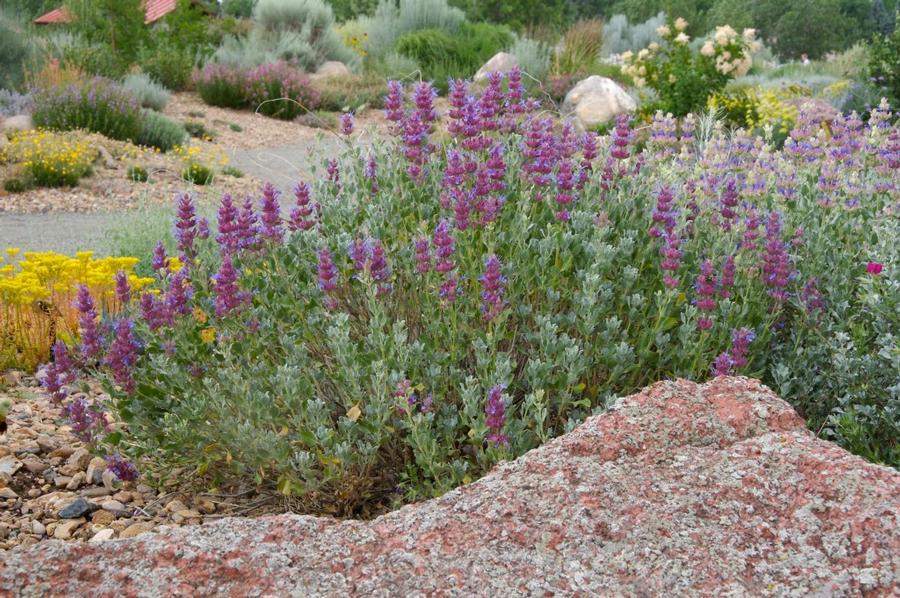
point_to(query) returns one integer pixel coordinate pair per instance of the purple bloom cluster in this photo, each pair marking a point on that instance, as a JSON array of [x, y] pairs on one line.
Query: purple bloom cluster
[[88, 324], [368, 256], [492, 284], [495, 416], [776, 269], [327, 274], [347, 123], [270, 215], [736, 358], [303, 214], [186, 227], [706, 294], [56, 376], [122, 354], [121, 468], [123, 289], [88, 419], [228, 297]]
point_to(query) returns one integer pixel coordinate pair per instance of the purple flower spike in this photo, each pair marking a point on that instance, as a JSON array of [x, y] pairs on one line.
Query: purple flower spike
[[87, 322], [186, 226], [270, 212], [123, 354], [423, 256], [302, 217], [393, 102], [347, 123], [160, 260], [495, 412], [123, 289], [228, 296], [706, 292], [228, 238], [327, 273], [247, 227], [492, 283]]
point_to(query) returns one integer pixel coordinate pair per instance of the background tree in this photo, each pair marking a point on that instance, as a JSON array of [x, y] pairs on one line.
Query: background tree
[[118, 24]]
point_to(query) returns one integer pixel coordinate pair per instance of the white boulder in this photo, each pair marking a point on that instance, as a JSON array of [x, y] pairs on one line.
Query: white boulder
[[501, 61], [596, 100]]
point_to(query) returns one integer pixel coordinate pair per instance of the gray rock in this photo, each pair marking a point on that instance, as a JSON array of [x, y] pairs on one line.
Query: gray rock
[[671, 493], [332, 69], [79, 508], [9, 465], [14, 124], [499, 62], [596, 100]]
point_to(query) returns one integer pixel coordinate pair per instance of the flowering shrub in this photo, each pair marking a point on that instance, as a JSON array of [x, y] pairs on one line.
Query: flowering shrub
[[758, 109], [36, 295], [423, 312], [278, 89], [683, 78], [50, 159], [97, 105]]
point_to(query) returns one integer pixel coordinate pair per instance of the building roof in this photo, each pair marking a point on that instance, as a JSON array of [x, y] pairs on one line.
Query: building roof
[[154, 11]]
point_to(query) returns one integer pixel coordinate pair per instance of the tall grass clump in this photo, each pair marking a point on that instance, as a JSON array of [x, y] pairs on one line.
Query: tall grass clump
[[442, 56], [148, 92], [581, 47], [421, 312], [97, 105]]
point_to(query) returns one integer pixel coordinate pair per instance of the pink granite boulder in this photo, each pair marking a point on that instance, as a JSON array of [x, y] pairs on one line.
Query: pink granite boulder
[[683, 489]]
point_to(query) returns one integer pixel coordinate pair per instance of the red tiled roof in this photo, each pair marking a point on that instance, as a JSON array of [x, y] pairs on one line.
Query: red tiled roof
[[157, 9], [54, 16], [154, 11]]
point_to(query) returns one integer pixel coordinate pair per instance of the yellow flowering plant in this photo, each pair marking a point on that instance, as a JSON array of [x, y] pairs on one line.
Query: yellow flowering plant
[[683, 78], [49, 159], [36, 295], [198, 164]]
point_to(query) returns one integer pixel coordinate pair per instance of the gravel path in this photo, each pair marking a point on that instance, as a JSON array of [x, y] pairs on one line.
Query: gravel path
[[284, 166], [64, 233]]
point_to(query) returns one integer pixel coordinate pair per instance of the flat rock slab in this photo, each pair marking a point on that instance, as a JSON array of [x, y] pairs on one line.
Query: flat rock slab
[[682, 489]]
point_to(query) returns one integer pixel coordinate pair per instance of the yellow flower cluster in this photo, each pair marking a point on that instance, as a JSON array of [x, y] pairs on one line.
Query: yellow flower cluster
[[759, 108], [50, 159], [36, 295]]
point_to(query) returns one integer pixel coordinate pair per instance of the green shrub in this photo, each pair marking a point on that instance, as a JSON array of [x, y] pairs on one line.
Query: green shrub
[[198, 130], [138, 174], [160, 132], [168, 64], [15, 185], [884, 65], [219, 85], [241, 9], [198, 174], [148, 92], [98, 105], [441, 55], [113, 27], [349, 93], [232, 172], [16, 49], [392, 20], [94, 59]]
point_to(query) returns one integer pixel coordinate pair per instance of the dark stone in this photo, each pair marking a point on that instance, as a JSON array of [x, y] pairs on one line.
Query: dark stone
[[79, 508]]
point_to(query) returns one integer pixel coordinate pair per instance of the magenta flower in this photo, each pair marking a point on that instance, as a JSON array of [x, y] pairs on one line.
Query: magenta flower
[[726, 280], [327, 275], [155, 311], [444, 247], [247, 227], [370, 172], [776, 269], [495, 416], [874, 268], [621, 137], [88, 420], [671, 254], [393, 102], [179, 295], [57, 375]]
